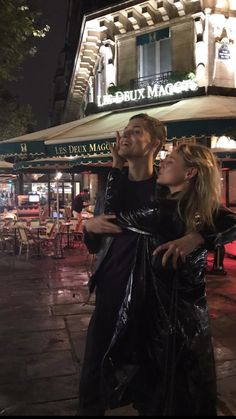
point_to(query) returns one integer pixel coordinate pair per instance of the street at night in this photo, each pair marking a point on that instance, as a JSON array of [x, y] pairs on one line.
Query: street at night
[[118, 208], [44, 317]]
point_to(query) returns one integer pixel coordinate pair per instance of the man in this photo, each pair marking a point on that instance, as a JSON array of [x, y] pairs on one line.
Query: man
[[142, 139], [79, 203]]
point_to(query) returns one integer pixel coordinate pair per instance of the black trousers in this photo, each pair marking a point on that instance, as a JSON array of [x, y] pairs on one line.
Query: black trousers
[[99, 335]]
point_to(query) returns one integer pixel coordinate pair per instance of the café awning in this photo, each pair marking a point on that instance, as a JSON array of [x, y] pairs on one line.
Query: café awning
[[205, 115], [61, 163], [32, 145], [199, 116], [6, 167]]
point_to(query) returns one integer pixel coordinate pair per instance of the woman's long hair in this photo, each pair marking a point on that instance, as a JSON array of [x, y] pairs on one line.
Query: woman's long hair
[[203, 196]]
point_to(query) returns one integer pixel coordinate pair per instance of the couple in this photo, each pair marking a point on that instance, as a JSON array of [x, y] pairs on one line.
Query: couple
[[149, 340]]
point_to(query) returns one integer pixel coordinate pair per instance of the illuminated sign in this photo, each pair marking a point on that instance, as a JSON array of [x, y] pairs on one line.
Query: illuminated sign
[[83, 149], [224, 52], [225, 142], [148, 92]]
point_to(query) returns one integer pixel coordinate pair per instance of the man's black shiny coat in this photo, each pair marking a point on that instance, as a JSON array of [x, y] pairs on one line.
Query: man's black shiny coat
[[161, 356]]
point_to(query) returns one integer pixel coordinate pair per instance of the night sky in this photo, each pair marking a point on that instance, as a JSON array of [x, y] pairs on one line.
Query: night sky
[[35, 85], [36, 78]]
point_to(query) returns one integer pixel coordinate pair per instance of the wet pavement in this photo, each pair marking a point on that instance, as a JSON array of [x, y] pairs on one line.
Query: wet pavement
[[43, 322]]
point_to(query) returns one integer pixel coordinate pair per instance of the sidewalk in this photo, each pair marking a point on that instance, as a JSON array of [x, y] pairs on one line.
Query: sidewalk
[[43, 326]]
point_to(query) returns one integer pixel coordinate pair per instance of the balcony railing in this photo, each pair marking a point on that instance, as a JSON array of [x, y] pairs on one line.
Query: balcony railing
[[161, 78]]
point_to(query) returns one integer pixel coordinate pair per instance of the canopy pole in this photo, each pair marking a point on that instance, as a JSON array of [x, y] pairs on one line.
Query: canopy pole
[[58, 206], [57, 178], [49, 196]]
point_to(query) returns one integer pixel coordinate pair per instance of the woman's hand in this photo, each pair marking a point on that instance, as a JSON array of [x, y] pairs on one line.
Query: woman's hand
[[179, 248], [118, 161]]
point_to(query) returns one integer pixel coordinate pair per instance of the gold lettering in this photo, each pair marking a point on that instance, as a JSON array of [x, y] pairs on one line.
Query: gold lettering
[[93, 147], [60, 150]]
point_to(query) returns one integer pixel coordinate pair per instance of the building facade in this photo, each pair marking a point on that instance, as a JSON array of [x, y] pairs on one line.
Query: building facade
[[142, 54]]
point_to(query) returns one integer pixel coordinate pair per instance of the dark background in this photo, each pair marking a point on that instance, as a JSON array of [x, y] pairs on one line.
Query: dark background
[[35, 84]]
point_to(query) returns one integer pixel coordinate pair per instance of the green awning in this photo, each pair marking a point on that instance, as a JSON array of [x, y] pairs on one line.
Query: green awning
[[80, 147], [62, 163], [22, 149], [202, 127], [32, 145], [89, 137], [6, 167]]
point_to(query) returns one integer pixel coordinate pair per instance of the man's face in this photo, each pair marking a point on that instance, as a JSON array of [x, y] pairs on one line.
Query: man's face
[[136, 141]]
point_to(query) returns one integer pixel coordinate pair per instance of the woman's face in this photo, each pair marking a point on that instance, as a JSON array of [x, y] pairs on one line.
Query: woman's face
[[172, 170]]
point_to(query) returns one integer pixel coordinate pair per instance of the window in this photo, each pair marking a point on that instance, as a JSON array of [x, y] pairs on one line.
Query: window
[[154, 53]]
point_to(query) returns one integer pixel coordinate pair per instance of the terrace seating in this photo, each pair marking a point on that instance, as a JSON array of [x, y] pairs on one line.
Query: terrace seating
[[26, 241]]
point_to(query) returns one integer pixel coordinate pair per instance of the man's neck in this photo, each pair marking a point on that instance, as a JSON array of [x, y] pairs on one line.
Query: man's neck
[[140, 169]]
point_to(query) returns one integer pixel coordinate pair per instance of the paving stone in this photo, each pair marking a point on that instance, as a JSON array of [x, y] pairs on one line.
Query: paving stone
[[79, 342], [78, 323], [36, 342], [224, 352], [54, 389], [24, 311], [60, 408], [68, 283], [43, 326], [25, 297], [123, 411], [12, 394], [12, 368], [65, 297], [51, 364], [226, 369], [227, 393], [34, 285], [223, 326], [71, 309], [33, 324], [231, 296]]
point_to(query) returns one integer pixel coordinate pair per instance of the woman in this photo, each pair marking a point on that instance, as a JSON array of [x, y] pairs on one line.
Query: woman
[[161, 357]]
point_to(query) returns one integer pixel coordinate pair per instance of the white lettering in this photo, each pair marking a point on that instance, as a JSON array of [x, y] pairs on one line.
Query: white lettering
[[133, 95], [141, 93], [178, 87], [119, 97], [169, 89], [126, 96], [162, 91], [192, 85], [150, 92]]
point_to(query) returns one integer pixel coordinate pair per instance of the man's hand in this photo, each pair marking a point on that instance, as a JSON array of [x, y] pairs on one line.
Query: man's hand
[[102, 225], [179, 248], [118, 161]]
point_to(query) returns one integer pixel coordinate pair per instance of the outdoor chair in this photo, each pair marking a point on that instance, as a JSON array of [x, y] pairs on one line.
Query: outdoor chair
[[51, 240], [26, 241], [35, 223]]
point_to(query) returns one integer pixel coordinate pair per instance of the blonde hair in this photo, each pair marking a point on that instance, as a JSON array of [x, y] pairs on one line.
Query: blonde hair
[[203, 196]]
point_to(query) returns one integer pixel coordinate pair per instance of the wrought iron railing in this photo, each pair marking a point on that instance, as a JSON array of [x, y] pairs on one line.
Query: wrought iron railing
[[142, 82]]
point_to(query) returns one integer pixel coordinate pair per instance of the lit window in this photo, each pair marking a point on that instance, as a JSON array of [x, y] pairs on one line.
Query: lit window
[[154, 53]]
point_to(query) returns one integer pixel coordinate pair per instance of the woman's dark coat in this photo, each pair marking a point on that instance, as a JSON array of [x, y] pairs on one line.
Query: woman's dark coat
[[161, 356]]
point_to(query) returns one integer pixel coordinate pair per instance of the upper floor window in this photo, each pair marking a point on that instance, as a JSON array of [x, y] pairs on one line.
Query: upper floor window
[[154, 53]]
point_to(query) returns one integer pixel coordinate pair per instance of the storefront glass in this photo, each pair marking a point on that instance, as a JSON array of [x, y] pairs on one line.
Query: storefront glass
[[232, 188], [7, 195]]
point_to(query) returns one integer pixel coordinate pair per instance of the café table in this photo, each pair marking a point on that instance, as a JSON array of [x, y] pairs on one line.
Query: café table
[[68, 225], [38, 230]]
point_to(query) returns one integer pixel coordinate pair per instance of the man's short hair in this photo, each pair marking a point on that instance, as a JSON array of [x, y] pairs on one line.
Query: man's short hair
[[155, 128]]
